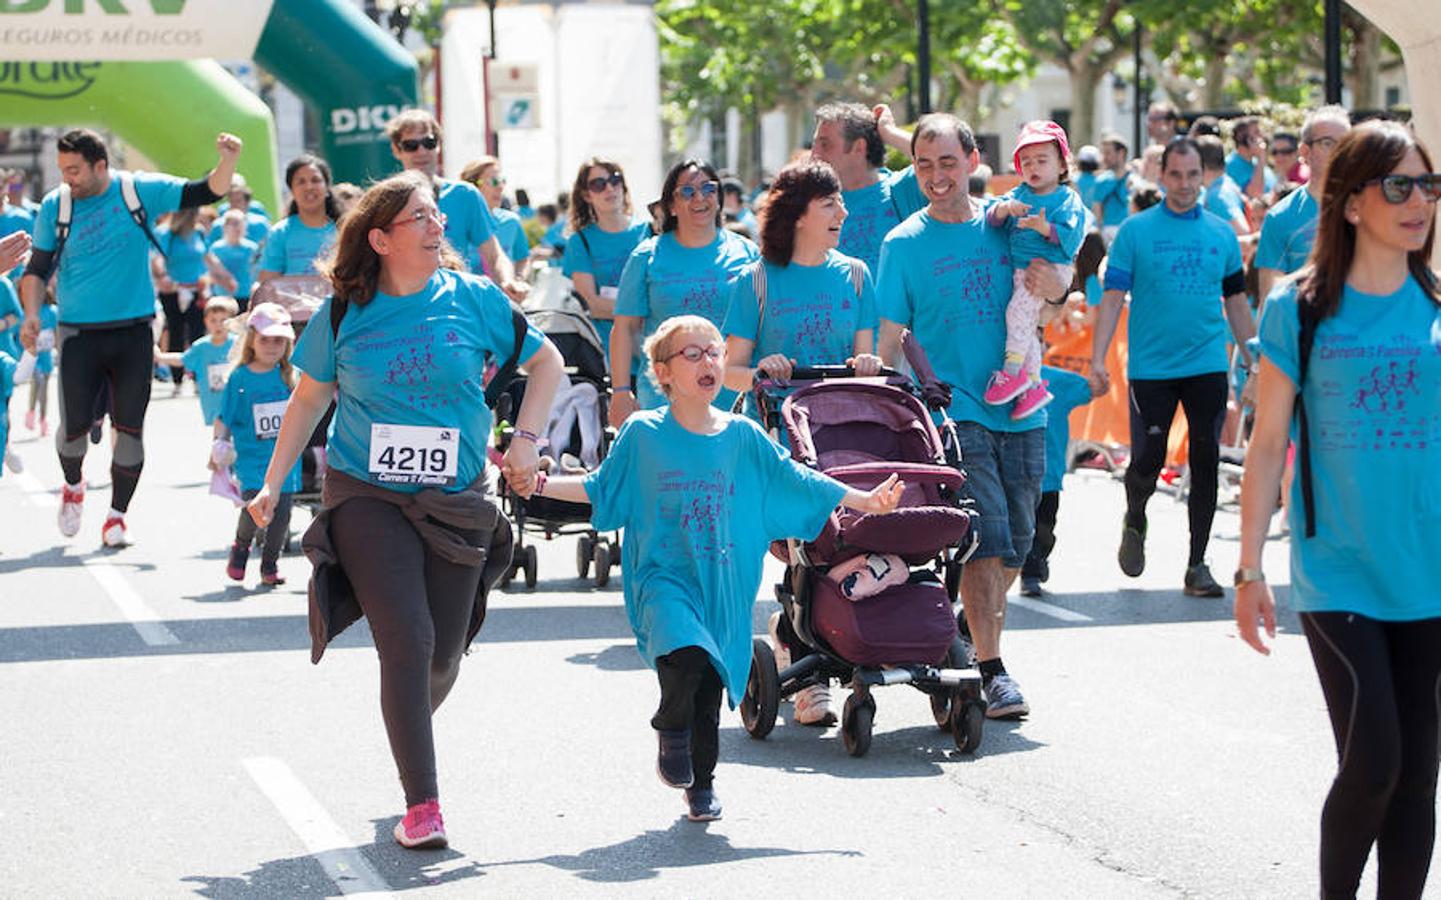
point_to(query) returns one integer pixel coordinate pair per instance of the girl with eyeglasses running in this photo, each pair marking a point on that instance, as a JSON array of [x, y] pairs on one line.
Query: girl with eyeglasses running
[[686, 270], [605, 231], [1364, 579], [701, 494]]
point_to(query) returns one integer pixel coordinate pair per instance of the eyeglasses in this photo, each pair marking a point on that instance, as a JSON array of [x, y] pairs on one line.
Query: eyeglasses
[[1397, 188], [1160, 117], [1283, 151], [614, 179], [705, 189], [496, 181], [421, 216], [429, 142], [1325, 143], [693, 352]]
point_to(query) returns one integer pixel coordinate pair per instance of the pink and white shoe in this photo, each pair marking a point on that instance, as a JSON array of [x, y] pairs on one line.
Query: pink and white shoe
[[1035, 398], [422, 828], [1005, 388], [30, 420]]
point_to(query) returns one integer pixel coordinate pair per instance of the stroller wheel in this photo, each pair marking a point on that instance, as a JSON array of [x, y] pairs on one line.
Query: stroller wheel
[[762, 697], [602, 565], [530, 564], [856, 722], [583, 549], [941, 703], [967, 720]]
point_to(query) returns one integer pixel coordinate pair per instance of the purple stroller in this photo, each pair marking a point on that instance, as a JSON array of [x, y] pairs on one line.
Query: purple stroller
[[859, 431]]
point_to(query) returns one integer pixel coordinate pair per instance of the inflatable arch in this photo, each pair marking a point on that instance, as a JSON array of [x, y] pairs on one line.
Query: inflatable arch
[[154, 83]]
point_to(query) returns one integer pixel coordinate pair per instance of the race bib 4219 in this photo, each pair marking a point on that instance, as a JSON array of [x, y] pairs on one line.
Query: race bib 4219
[[414, 454]]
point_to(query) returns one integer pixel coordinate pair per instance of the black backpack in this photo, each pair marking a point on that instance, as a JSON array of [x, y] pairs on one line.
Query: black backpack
[[1310, 320]]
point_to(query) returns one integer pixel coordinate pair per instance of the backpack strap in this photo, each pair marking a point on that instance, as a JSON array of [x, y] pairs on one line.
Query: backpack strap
[[758, 287], [339, 306], [858, 278], [506, 373], [1310, 320], [137, 209], [63, 217]]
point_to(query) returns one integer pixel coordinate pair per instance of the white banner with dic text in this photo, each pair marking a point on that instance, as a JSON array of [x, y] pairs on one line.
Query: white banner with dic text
[[130, 30]]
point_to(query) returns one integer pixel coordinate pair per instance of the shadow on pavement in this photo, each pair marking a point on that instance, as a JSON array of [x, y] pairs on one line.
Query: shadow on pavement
[[298, 877], [57, 558], [643, 857], [615, 658]]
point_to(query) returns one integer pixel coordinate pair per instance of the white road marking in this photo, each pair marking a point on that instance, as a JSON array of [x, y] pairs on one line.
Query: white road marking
[[317, 831], [37, 492], [131, 605], [1049, 609]]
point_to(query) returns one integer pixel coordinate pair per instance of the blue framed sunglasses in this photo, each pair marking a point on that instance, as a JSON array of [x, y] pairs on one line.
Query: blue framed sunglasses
[[706, 189]]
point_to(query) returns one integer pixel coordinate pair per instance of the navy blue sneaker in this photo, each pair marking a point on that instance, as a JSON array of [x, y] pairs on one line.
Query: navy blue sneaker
[[672, 763], [703, 805]]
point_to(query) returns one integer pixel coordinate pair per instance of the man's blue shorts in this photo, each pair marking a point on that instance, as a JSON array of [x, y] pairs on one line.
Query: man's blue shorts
[[1003, 475]]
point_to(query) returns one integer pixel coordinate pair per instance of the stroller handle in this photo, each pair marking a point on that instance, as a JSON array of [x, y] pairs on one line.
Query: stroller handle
[[824, 373]]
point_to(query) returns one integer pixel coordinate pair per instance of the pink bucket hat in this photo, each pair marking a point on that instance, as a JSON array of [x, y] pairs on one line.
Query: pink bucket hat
[[270, 320], [1041, 132]]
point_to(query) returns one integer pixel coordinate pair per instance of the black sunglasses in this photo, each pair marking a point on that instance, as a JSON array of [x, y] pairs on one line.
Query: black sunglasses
[[596, 185], [429, 142], [1397, 188]]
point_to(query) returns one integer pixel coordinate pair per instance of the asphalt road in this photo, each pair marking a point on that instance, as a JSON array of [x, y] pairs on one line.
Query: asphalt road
[[165, 734]]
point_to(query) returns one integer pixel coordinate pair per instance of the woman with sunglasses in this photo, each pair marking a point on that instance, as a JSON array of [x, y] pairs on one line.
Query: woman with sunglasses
[[487, 177], [407, 536], [1364, 567], [605, 231], [685, 270], [308, 231], [700, 494]]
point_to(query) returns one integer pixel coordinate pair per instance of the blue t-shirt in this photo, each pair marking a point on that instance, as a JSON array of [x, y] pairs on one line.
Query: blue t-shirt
[[468, 222], [239, 261], [1374, 413], [184, 256], [812, 313], [1113, 192], [950, 282], [7, 387], [1225, 201], [555, 235], [511, 233], [293, 247], [1063, 211], [45, 359], [105, 266], [873, 211], [12, 219], [1288, 232], [602, 254], [256, 229], [663, 279], [417, 360], [1070, 390], [1239, 170], [1173, 265], [10, 306], [1085, 185], [699, 512], [1094, 291], [251, 407], [210, 364]]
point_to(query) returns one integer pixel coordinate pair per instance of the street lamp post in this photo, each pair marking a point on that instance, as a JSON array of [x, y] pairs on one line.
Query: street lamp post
[[923, 54], [492, 140], [1333, 51]]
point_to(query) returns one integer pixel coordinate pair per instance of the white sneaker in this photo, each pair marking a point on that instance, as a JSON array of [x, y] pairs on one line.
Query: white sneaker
[[813, 706], [783, 655], [13, 462], [114, 534], [72, 507]]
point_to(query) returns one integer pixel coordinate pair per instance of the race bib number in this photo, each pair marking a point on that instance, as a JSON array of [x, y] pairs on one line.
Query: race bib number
[[216, 374], [268, 417], [414, 454]]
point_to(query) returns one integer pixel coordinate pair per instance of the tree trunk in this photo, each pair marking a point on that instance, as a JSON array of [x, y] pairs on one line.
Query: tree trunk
[[1084, 78], [1365, 69], [1214, 96]]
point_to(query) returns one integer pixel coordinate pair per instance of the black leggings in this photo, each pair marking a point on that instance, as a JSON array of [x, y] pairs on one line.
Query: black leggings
[[1153, 406], [89, 361], [273, 535], [419, 607], [1382, 682], [181, 328], [690, 697], [1037, 561]]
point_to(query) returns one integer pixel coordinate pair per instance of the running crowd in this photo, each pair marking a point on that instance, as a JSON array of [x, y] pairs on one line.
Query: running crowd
[[1322, 236]]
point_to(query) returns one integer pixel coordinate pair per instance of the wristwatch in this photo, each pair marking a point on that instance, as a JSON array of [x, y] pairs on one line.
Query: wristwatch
[[1244, 575]]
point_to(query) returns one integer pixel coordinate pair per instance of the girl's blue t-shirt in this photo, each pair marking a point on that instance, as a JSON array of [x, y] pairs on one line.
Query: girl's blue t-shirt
[[210, 364], [239, 260], [602, 255], [411, 375], [699, 512], [252, 407], [293, 247], [1374, 411], [664, 279], [1063, 211], [184, 255]]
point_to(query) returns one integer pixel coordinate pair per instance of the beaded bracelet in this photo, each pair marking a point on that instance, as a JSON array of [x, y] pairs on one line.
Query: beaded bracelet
[[537, 440]]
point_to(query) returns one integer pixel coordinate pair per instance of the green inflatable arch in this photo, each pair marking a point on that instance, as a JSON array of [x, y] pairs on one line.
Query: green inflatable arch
[[350, 72]]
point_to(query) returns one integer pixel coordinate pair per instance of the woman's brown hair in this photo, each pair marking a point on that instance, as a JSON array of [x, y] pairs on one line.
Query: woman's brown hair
[[1367, 152], [353, 267], [582, 213], [788, 199]]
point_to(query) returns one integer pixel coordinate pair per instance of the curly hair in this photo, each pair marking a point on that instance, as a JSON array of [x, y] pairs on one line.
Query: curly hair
[[790, 195]]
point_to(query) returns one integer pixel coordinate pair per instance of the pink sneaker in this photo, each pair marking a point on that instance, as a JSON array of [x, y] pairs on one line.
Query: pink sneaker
[[44, 427], [30, 420], [1033, 399], [1005, 388], [422, 828]]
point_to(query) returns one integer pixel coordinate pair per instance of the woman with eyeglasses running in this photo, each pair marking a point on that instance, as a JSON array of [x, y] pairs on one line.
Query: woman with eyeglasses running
[[407, 536], [487, 177], [685, 270], [297, 241], [606, 231], [700, 494], [1364, 567]]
